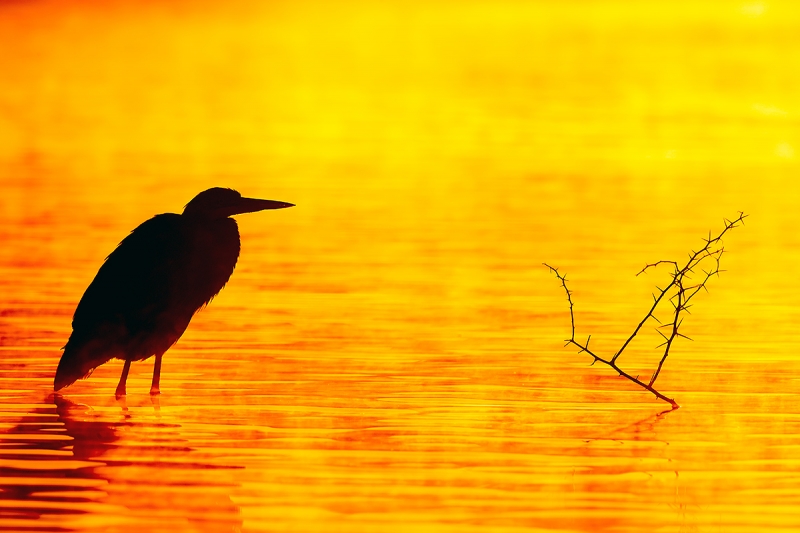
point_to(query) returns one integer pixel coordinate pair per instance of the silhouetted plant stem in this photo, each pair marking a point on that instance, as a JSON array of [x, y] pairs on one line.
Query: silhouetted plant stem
[[678, 292]]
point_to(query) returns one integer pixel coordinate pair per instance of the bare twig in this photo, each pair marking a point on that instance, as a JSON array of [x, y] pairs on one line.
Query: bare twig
[[678, 292]]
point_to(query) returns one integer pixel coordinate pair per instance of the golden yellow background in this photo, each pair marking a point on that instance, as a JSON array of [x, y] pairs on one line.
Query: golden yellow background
[[387, 355]]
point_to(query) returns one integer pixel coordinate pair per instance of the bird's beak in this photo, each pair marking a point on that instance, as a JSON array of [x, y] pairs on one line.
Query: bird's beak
[[251, 205]]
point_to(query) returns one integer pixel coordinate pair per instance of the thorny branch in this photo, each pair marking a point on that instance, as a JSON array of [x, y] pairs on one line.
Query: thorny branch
[[679, 292]]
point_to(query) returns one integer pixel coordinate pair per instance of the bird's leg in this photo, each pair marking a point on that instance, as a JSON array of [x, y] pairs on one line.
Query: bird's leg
[[122, 379], [154, 389]]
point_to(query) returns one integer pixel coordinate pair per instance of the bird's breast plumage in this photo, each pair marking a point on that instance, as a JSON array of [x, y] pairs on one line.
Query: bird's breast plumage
[[214, 252]]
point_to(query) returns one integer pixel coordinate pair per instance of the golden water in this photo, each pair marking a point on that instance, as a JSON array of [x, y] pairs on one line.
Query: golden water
[[388, 355]]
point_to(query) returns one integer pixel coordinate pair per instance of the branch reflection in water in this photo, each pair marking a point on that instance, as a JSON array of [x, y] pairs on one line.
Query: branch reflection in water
[[70, 467]]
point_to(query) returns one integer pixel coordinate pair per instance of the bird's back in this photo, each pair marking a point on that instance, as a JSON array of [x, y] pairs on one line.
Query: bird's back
[[143, 297]]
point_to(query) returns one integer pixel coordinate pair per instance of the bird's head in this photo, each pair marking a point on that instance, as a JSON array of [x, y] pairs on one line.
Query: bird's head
[[219, 203]]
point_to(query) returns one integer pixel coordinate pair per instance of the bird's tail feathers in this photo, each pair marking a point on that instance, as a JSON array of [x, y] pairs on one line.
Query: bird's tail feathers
[[79, 361]]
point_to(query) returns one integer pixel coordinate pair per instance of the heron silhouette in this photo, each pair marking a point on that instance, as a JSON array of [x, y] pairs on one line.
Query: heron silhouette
[[146, 292]]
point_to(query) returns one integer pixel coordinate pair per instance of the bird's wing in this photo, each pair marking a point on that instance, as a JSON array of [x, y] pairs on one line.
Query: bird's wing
[[137, 281]]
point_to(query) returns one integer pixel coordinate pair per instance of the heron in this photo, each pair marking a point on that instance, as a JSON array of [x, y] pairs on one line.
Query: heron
[[149, 288]]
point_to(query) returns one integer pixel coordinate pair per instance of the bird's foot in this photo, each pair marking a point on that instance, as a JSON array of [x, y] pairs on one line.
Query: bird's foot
[[156, 402], [154, 390], [120, 393]]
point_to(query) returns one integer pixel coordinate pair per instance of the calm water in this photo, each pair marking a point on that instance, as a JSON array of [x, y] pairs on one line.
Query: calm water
[[388, 354]]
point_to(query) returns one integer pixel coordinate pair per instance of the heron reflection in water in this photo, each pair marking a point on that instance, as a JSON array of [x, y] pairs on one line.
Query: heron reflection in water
[[148, 289]]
